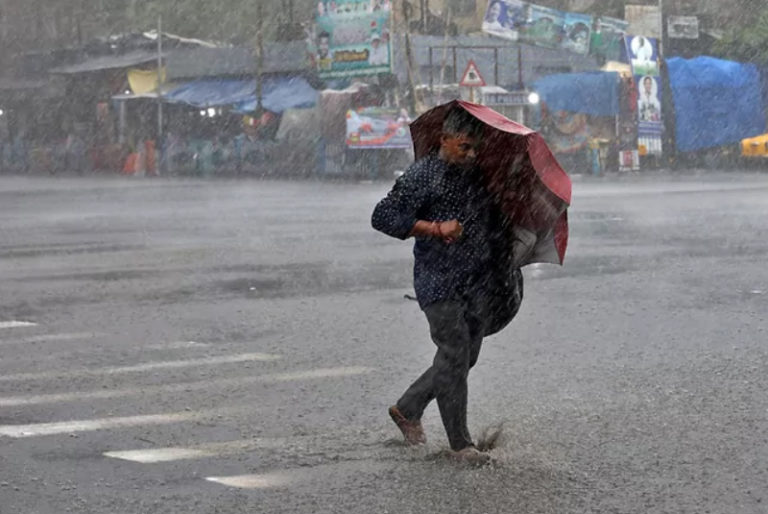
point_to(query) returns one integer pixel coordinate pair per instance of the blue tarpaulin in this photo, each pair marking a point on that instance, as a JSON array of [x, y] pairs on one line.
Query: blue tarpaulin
[[278, 93], [717, 102], [281, 94], [593, 93]]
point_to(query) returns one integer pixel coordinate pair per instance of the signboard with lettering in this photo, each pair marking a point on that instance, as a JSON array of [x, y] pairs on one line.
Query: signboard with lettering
[[352, 37]]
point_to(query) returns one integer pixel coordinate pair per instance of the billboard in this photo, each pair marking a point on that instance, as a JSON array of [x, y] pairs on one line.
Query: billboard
[[577, 32], [607, 37], [352, 37], [643, 55], [533, 24], [376, 127]]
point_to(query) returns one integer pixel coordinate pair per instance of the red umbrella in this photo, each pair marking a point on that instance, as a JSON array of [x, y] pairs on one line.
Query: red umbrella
[[520, 170]]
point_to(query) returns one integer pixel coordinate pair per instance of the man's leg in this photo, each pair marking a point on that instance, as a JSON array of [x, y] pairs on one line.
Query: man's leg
[[451, 333], [422, 391]]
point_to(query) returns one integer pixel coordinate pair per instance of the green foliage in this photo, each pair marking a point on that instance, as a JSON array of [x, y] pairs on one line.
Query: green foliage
[[747, 42]]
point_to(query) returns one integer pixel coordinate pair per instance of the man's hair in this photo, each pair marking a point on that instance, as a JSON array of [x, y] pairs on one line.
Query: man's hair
[[459, 121], [324, 35]]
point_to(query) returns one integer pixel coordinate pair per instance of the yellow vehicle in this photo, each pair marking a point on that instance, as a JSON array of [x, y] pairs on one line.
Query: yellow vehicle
[[755, 147]]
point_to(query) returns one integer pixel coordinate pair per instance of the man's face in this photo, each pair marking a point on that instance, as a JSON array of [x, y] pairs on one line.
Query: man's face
[[459, 149], [375, 43], [648, 84]]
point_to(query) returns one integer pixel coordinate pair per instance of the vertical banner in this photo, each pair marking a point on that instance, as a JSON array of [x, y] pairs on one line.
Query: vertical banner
[[607, 37], [643, 55], [352, 37], [627, 125]]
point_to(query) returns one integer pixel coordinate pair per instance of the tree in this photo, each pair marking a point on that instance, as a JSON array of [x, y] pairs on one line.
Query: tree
[[748, 42]]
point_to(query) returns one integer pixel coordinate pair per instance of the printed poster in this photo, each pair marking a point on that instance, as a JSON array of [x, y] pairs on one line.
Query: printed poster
[[352, 37], [505, 18], [643, 56], [576, 32], [607, 37], [544, 27], [376, 127]]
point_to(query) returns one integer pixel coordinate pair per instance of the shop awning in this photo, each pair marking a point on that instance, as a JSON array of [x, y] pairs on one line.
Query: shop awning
[[278, 94]]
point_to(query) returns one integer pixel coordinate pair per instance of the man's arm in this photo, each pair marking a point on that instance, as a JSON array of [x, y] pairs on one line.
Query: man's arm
[[395, 215]]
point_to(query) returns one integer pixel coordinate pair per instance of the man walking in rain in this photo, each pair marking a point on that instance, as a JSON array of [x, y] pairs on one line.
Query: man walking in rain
[[441, 202]]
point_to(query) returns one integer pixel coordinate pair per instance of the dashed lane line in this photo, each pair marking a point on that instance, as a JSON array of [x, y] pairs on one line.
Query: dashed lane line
[[183, 387], [89, 425], [16, 324], [46, 338], [207, 361], [308, 476]]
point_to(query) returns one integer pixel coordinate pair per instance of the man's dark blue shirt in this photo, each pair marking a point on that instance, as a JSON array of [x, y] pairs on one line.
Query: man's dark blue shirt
[[434, 190]]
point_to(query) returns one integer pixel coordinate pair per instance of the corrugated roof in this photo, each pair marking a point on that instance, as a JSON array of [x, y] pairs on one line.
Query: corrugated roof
[[107, 62], [239, 61]]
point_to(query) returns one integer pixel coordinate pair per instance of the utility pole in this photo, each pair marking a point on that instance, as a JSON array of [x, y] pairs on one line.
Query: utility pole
[[405, 27], [661, 28], [159, 142], [259, 53]]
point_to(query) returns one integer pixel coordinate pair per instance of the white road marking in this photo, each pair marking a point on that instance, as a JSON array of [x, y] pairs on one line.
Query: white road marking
[[159, 455], [308, 442], [15, 401], [262, 481], [287, 477], [177, 345], [16, 324], [168, 454], [45, 338], [67, 427], [224, 359]]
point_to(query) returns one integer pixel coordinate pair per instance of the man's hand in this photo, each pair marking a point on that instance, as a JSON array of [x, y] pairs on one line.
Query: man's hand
[[448, 231]]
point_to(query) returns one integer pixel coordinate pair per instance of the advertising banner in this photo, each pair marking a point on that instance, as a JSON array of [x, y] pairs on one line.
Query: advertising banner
[[544, 28], [607, 37], [644, 57], [506, 18], [533, 24], [576, 32], [376, 127], [352, 37]]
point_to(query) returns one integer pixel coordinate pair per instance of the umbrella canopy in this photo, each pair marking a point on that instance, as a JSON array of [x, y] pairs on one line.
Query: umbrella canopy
[[520, 171]]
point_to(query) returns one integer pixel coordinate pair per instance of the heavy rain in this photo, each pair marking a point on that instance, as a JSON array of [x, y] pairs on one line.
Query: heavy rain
[[389, 256]]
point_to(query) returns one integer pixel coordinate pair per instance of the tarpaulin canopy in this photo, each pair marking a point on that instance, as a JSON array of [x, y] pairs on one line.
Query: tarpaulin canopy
[[278, 93], [143, 81], [717, 102], [593, 93], [212, 92]]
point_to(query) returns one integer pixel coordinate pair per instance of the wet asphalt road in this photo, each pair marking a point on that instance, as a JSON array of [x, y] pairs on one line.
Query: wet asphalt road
[[241, 341]]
